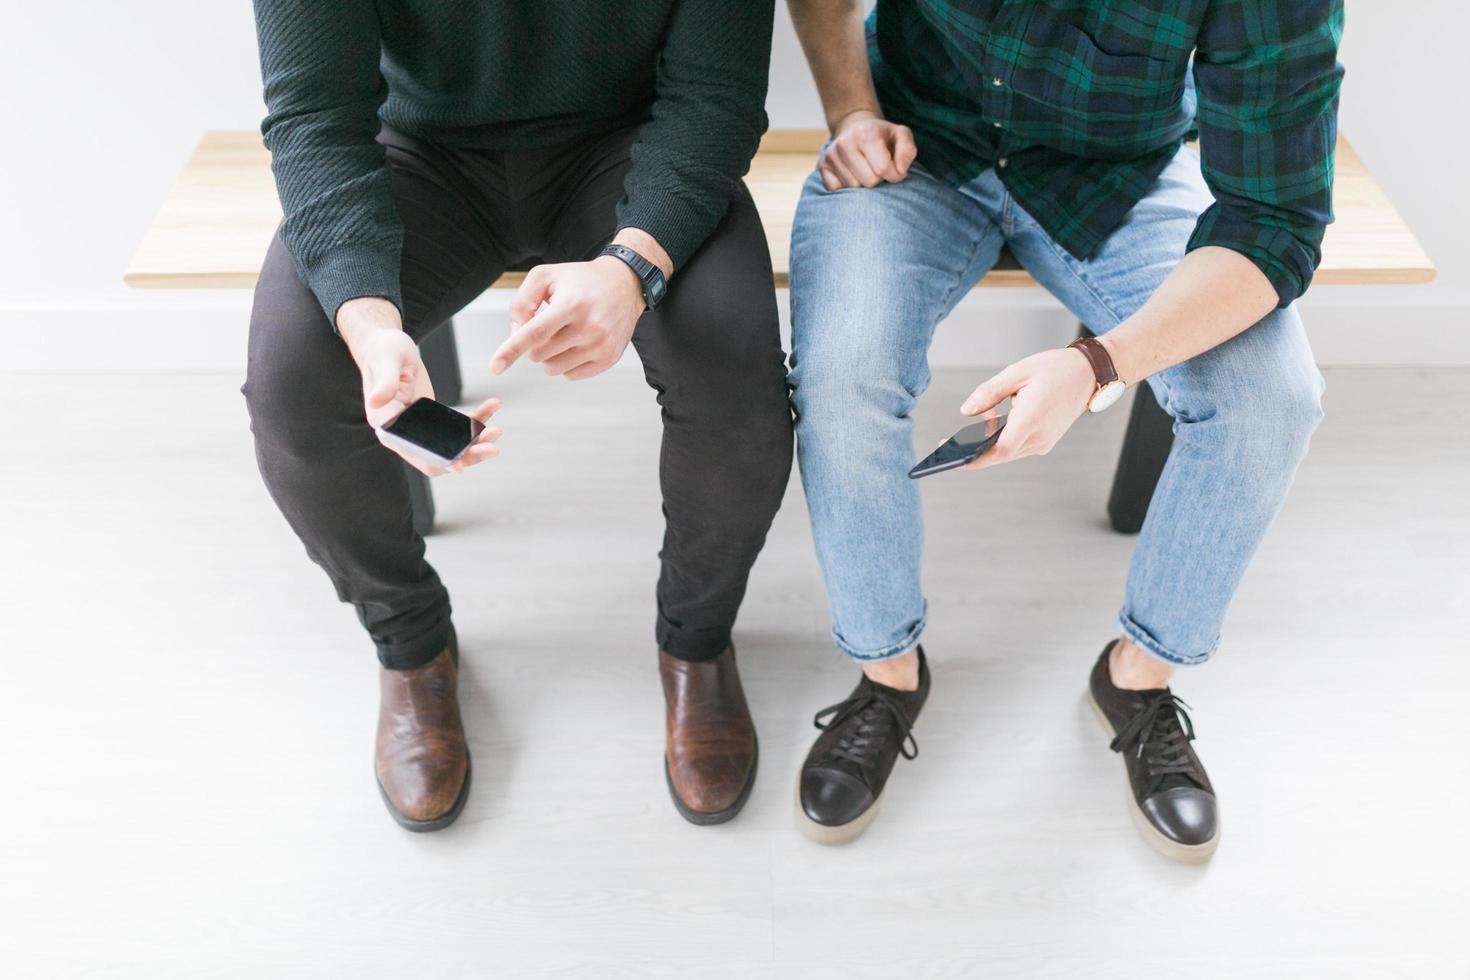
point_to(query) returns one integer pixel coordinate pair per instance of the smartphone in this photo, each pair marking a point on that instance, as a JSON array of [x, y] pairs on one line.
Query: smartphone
[[965, 446], [432, 431]]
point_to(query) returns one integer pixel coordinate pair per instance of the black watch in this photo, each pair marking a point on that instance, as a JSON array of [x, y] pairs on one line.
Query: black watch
[[650, 275]]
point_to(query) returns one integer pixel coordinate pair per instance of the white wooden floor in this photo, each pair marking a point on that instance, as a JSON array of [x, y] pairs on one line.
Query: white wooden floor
[[186, 717]]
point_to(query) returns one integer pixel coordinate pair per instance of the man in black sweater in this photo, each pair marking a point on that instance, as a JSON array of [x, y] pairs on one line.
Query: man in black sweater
[[421, 149]]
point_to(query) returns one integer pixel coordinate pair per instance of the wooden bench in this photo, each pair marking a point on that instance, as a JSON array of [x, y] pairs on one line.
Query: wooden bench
[[216, 223]]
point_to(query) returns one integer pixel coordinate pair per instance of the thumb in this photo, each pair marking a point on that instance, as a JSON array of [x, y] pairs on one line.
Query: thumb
[[904, 150], [382, 380], [992, 392], [535, 289]]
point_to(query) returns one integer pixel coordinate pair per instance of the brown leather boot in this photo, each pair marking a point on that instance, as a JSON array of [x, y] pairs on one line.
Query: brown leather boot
[[422, 762], [710, 751]]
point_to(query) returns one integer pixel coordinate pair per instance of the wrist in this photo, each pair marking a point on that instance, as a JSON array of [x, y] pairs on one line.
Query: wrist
[[647, 246], [1107, 387], [836, 125], [630, 283], [649, 271], [1120, 351], [364, 317]]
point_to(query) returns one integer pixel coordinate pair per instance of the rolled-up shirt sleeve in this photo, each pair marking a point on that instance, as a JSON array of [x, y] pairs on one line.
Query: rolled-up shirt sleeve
[[1267, 78]]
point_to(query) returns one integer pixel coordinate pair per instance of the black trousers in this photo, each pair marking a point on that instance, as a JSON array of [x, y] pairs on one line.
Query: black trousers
[[711, 351]]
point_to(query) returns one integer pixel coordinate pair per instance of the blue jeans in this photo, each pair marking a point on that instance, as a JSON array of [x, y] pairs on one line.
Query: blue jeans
[[874, 270]]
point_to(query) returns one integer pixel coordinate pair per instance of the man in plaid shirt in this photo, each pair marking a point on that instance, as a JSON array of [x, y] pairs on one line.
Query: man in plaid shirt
[[1057, 129]]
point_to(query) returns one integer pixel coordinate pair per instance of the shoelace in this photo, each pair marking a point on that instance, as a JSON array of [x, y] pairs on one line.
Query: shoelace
[[872, 715], [1160, 735]]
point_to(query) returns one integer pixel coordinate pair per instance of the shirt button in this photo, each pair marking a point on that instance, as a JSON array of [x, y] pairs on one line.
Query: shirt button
[[996, 125], [1002, 162], [996, 81]]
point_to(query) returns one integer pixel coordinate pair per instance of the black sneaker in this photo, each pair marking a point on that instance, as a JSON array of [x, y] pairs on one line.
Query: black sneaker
[[1170, 796], [843, 776]]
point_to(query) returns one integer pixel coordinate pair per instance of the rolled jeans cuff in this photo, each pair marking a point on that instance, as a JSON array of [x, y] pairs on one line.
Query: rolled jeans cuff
[[1148, 643], [889, 651], [417, 651], [690, 643]]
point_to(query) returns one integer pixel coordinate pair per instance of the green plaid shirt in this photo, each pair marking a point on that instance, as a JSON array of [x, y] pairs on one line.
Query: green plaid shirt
[[1079, 105]]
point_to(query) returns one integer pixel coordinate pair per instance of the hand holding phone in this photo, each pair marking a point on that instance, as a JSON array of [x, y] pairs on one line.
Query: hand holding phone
[[962, 448], [394, 377], [437, 438]]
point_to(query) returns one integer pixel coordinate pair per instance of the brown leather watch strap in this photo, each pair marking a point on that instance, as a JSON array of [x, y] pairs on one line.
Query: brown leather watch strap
[[1097, 355]]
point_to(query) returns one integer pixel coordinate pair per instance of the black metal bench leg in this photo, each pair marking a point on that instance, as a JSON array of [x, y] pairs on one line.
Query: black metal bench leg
[[422, 496], [1146, 445], [441, 359]]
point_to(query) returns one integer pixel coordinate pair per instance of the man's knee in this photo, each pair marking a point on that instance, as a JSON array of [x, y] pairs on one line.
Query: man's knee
[[851, 362], [298, 374], [1299, 406], [858, 343], [1264, 394], [721, 382], [718, 343]]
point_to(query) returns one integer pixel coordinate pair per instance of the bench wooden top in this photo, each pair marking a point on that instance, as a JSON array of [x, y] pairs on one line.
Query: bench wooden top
[[213, 229]]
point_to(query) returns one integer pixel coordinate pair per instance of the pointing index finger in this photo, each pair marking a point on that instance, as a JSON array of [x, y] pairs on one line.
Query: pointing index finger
[[547, 321]]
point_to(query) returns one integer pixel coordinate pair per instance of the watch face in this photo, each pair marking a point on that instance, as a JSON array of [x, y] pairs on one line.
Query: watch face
[[656, 290], [1106, 396]]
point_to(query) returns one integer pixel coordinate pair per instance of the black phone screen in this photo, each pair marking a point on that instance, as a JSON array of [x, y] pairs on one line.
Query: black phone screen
[[965, 446], [436, 427]]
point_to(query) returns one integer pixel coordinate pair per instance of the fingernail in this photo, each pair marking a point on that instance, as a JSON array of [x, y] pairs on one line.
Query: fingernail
[[967, 408]]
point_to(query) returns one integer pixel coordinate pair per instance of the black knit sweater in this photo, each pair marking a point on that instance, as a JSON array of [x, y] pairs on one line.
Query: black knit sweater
[[502, 74]]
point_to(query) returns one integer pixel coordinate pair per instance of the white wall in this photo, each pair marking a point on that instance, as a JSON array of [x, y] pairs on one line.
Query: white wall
[[105, 100]]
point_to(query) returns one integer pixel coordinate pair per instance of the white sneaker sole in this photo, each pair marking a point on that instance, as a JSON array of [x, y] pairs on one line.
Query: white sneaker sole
[[1157, 839]]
